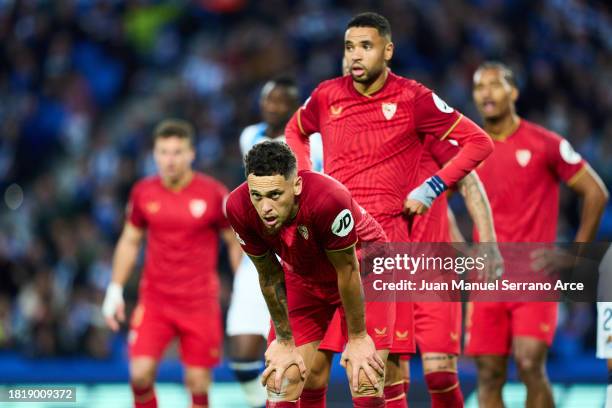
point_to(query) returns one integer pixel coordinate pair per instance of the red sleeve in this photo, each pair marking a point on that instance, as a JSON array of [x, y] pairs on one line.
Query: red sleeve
[[476, 146], [303, 123], [432, 116], [134, 214], [442, 151], [238, 215], [336, 217], [564, 161]]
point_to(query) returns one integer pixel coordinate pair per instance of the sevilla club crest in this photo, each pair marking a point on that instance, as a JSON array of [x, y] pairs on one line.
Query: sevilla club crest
[[523, 156], [389, 109], [197, 208]]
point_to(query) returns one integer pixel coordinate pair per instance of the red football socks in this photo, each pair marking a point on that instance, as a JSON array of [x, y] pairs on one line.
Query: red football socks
[[368, 402], [144, 397], [314, 398], [283, 404], [444, 389], [199, 400], [395, 397]]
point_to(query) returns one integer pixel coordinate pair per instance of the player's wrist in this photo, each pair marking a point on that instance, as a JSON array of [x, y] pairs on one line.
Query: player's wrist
[[358, 335], [428, 191], [114, 289]]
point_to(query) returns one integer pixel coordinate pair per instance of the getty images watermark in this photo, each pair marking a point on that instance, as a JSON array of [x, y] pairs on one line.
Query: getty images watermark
[[430, 272]]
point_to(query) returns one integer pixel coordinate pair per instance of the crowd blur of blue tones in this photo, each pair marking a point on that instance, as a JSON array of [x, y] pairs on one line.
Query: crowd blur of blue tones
[[83, 82]]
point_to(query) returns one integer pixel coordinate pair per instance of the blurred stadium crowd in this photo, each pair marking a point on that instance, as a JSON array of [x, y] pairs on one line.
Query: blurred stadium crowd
[[83, 82]]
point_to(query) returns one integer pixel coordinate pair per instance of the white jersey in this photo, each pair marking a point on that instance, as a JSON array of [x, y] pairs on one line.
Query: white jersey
[[251, 135]]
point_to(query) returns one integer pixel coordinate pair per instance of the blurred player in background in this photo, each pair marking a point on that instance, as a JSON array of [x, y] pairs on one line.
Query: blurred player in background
[[372, 125], [181, 212], [310, 221], [279, 99], [522, 181]]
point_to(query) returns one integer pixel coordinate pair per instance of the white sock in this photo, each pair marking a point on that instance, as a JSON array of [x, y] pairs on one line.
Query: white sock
[[609, 396], [254, 392]]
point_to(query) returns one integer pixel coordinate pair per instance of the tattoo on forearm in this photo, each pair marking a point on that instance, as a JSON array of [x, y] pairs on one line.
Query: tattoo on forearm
[[272, 282], [478, 206]]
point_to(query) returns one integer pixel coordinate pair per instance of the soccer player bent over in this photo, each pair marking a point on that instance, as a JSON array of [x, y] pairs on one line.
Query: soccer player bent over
[[522, 181], [313, 224], [278, 100], [181, 212]]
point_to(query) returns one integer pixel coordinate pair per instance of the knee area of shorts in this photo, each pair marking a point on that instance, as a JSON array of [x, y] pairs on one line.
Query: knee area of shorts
[[291, 385]]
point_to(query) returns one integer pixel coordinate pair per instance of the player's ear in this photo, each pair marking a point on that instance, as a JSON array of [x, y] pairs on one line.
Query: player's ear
[[389, 48], [297, 185], [514, 94]]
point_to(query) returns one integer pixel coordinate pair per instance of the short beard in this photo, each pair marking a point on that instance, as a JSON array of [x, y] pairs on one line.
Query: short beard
[[367, 79]]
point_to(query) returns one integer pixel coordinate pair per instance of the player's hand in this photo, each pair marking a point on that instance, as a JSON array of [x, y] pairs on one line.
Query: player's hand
[[421, 198], [361, 354], [279, 357], [493, 261], [551, 260], [414, 207], [113, 307]]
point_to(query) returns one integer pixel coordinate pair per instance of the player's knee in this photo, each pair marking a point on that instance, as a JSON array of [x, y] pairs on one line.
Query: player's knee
[[291, 385], [529, 368], [393, 370], [366, 388], [197, 381], [318, 376], [490, 378], [142, 377]]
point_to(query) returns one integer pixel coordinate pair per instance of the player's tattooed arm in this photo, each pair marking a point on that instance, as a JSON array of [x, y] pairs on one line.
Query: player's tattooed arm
[[272, 283], [477, 203], [478, 206], [350, 288]]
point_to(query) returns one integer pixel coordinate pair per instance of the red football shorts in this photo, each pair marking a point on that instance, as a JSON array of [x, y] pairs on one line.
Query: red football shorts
[[437, 327], [403, 334], [316, 314], [490, 327], [380, 319], [200, 332]]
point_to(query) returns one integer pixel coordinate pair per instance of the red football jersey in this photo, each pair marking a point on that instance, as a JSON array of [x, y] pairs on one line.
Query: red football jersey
[[328, 219], [522, 181], [182, 237], [373, 144], [433, 226]]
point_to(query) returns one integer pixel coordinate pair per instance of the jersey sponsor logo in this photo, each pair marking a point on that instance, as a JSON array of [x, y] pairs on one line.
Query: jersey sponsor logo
[[401, 335], [380, 332], [343, 223], [335, 110], [197, 207], [303, 231], [568, 153], [389, 109], [441, 105], [153, 207], [523, 156]]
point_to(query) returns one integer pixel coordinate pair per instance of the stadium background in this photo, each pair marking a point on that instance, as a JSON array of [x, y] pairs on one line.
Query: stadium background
[[83, 82]]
